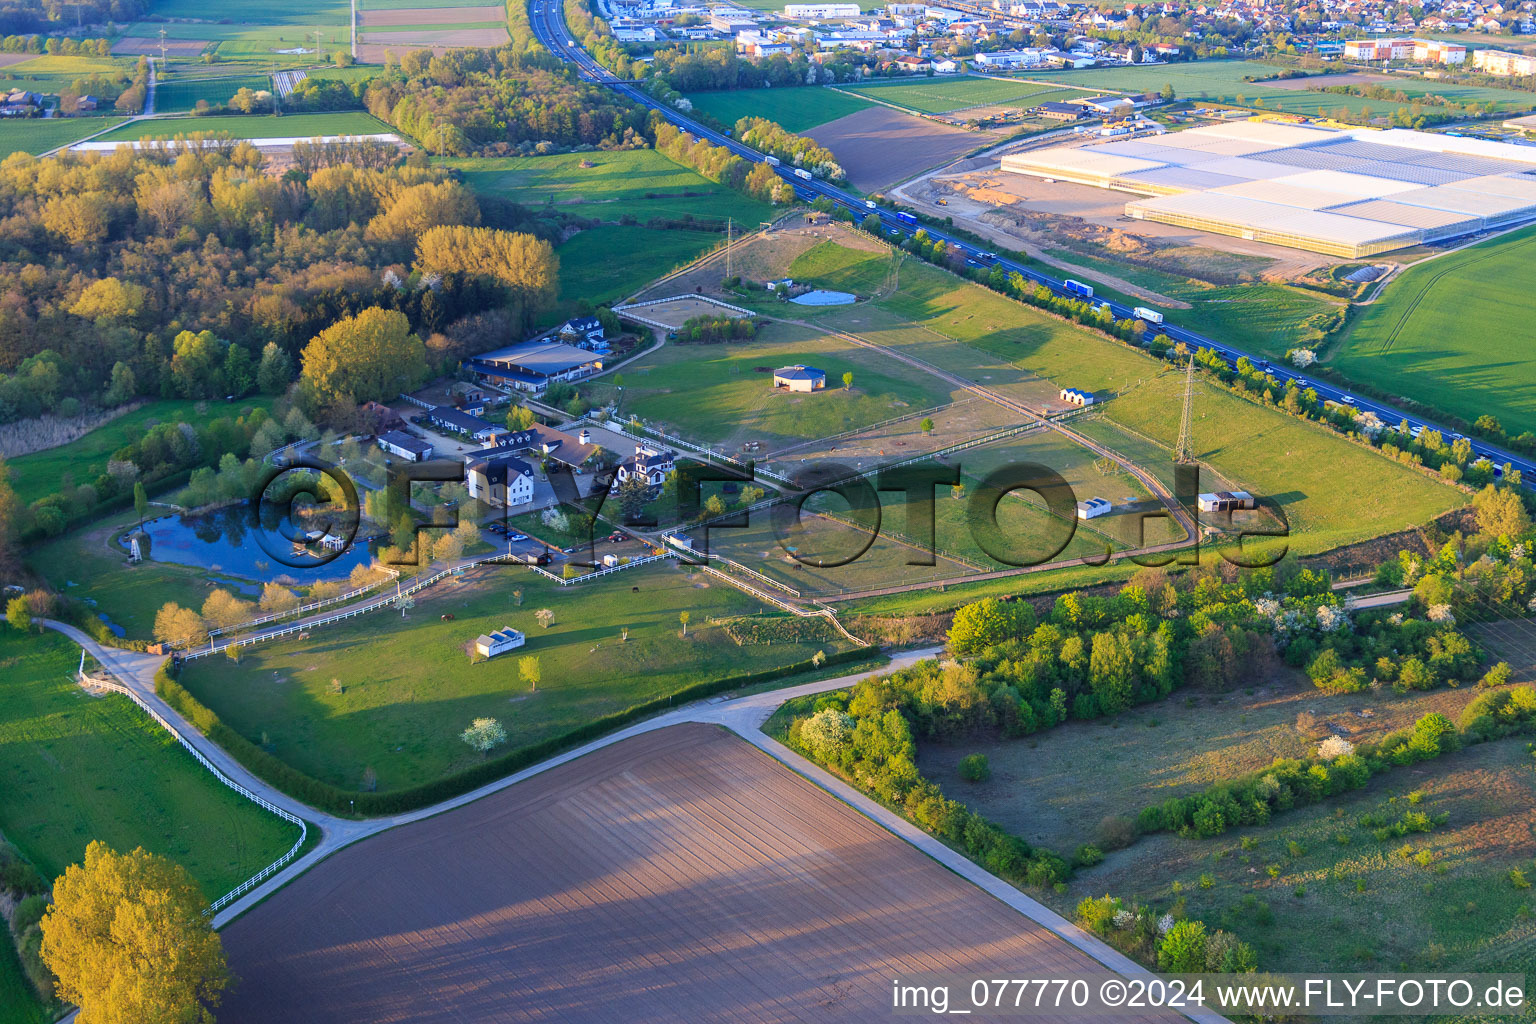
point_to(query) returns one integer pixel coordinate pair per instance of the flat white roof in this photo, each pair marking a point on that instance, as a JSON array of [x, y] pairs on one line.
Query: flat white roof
[[1363, 185], [1077, 161], [1287, 195], [1450, 144], [1271, 217], [1389, 212], [1457, 200]]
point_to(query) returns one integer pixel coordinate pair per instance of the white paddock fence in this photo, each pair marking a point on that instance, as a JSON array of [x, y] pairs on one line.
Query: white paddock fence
[[246, 886], [390, 601]]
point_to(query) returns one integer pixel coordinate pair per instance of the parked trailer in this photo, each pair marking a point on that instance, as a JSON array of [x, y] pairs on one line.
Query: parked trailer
[[801, 172], [1151, 316], [1077, 288], [906, 218]]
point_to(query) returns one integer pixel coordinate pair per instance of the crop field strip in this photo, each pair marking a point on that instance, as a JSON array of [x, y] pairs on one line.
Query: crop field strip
[[701, 873], [1419, 339], [938, 96]]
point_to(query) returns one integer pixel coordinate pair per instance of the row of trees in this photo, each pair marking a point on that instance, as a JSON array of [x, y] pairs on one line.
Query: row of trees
[[767, 136], [712, 330], [719, 164], [1339, 768]]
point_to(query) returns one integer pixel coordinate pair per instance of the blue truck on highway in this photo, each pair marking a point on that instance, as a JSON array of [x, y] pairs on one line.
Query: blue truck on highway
[[905, 217], [1077, 288]]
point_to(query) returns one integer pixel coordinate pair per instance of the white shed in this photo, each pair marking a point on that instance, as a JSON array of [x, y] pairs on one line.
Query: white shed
[[506, 639]]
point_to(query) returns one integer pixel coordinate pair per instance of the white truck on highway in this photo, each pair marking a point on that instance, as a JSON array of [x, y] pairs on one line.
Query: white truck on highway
[[1151, 316], [801, 172], [771, 161]]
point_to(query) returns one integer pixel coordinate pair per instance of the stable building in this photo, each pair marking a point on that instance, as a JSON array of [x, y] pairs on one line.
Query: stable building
[[404, 446], [532, 366], [1074, 396], [449, 417], [1093, 508], [489, 645], [799, 378], [1226, 501]]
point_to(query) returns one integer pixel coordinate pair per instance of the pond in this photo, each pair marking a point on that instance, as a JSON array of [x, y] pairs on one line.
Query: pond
[[226, 541], [821, 297]]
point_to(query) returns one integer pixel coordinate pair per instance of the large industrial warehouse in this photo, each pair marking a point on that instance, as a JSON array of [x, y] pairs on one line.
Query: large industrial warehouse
[[1343, 193]]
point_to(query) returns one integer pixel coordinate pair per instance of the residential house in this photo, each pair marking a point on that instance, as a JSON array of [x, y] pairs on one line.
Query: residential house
[[501, 480], [650, 463], [583, 332]]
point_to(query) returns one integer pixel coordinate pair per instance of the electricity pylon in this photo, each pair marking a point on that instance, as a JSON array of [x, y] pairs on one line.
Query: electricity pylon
[[1184, 453]]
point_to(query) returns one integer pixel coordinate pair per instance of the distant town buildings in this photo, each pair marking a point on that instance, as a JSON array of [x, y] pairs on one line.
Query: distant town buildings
[[1504, 63], [1425, 51]]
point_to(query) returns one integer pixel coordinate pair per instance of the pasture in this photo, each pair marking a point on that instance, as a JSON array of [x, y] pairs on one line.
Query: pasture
[[80, 767], [589, 271], [181, 94], [719, 394], [1055, 787], [795, 109], [39, 135], [1452, 332], [942, 95], [254, 126], [394, 695], [1332, 492], [696, 871], [638, 183]]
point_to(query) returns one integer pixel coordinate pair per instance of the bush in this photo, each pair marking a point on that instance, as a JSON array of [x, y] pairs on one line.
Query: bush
[[1116, 832], [974, 768], [1182, 950]]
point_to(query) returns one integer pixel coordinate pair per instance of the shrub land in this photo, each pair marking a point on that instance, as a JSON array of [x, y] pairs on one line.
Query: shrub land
[[1095, 658]]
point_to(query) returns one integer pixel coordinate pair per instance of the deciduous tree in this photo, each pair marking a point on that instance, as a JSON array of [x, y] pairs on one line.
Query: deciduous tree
[[366, 357], [128, 940]]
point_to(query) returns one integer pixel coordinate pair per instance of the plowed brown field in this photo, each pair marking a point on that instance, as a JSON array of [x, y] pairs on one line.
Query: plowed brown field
[[682, 875]]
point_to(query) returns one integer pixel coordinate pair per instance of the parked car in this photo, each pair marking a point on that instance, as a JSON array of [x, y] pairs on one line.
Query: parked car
[[517, 536]]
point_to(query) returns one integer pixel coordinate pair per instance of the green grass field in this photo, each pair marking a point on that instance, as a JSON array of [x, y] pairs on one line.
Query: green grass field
[[408, 689], [939, 95], [84, 459], [590, 271], [1332, 492], [1452, 333], [796, 109], [839, 268], [1222, 81], [181, 94], [79, 768], [52, 73], [240, 39], [713, 394], [638, 183], [343, 122], [297, 12], [18, 1002], [39, 135]]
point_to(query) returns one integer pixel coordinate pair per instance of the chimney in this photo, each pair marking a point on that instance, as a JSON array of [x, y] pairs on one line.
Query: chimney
[[585, 437]]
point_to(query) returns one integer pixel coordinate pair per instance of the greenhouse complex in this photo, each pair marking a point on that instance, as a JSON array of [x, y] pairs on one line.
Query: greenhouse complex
[[1348, 193]]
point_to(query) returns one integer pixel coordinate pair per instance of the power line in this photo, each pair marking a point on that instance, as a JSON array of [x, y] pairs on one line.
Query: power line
[[1184, 451]]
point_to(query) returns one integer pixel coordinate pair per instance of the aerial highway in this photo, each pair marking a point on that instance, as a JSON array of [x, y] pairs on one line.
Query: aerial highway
[[548, 20]]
